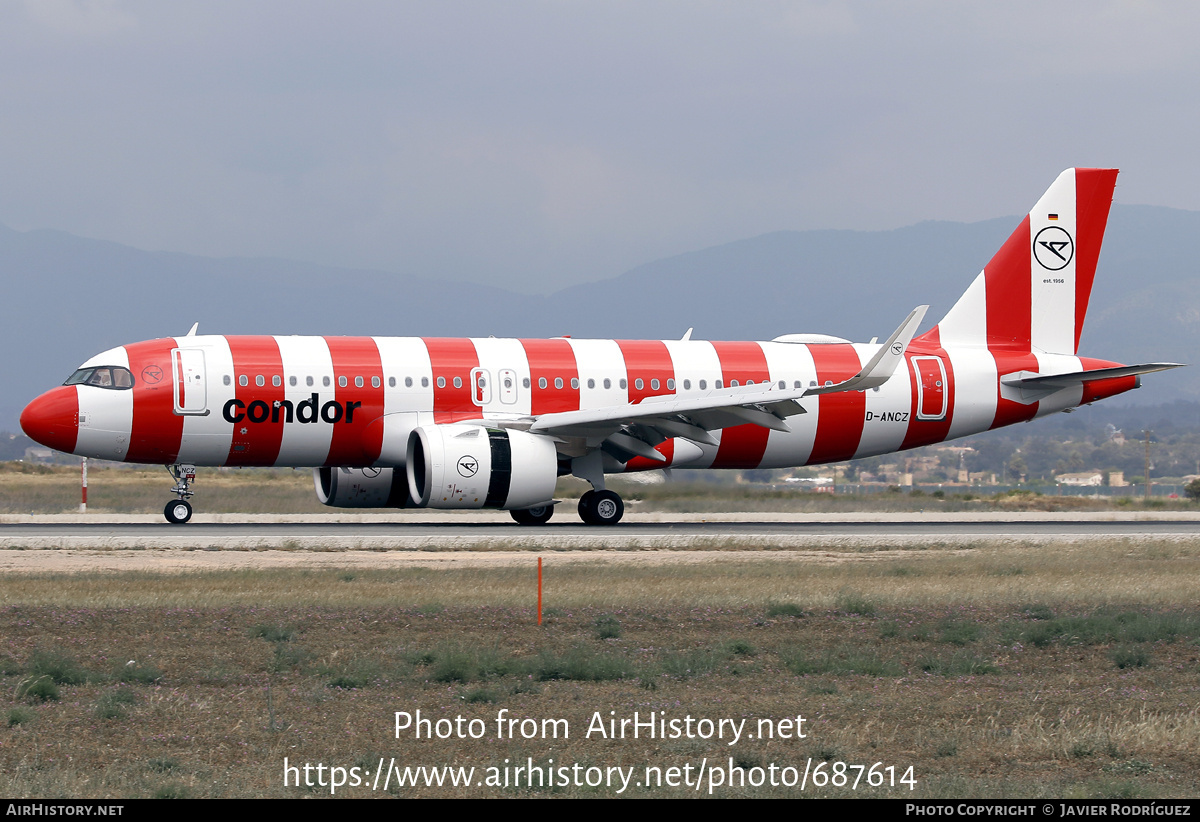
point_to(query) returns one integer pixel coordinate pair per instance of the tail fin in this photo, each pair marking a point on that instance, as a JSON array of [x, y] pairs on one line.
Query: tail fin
[[1034, 293]]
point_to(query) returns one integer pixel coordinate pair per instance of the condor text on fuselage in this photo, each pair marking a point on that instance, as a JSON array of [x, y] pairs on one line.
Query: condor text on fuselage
[[307, 411]]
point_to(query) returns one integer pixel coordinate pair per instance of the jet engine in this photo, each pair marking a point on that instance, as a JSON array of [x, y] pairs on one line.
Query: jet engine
[[469, 466], [362, 487]]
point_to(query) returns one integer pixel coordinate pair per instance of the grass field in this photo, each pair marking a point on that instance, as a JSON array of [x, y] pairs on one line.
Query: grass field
[[1020, 671], [29, 489]]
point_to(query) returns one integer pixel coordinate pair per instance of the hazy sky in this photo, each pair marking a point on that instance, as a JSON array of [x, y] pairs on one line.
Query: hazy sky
[[535, 145]]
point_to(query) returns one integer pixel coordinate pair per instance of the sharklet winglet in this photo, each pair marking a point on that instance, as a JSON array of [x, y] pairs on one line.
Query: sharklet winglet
[[879, 368]]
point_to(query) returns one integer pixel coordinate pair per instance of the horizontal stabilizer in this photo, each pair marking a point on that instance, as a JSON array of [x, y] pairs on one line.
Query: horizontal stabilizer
[[1028, 379]]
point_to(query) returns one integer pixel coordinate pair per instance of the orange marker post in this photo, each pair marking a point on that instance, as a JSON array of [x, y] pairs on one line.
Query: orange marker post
[[539, 590]]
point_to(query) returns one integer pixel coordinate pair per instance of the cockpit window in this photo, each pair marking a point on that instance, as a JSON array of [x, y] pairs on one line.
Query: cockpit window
[[104, 376]]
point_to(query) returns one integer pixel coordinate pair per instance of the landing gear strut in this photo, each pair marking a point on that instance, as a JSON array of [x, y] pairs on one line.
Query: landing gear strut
[[601, 508], [179, 511], [598, 506]]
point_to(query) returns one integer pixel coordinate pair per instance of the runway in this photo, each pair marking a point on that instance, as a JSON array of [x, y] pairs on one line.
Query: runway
[[143, 543], [645, 532]]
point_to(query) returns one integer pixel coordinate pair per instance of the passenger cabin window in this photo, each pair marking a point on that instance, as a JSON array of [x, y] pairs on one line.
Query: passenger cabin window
[[358, 382], [308, 381], [104, 376], [558, 382], [375, 382], [671, 385], [607, 382], [703, 385], [574, 382], [541, 382], [591, 383], [638, 384], [276, 381], [408, 382], [458, 382], [623, 383], [687, 385], [341, 382], [260, 380], [425, 382], [391, 382], [243, 380], [226, 379], [291, 380], [654, 385], [525, 382], [441, 382], [325, 381]]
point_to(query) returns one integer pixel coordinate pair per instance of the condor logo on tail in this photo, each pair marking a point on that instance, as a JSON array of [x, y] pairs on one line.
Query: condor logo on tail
[[306, 411], [1052, 248]]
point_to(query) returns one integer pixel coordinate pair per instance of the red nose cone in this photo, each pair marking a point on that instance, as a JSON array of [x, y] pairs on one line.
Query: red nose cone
[[53, 418]]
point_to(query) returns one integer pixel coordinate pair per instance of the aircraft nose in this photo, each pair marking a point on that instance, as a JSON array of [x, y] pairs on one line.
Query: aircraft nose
[[53, 418]]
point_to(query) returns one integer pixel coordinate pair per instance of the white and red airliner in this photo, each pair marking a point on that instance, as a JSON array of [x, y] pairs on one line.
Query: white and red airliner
[[492, 423]]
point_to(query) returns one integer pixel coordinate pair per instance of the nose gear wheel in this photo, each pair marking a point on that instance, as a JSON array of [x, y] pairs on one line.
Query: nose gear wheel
[[179, 511]]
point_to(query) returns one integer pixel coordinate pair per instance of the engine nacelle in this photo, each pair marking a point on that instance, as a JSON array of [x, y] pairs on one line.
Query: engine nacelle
[[361, 487], [468, 466]]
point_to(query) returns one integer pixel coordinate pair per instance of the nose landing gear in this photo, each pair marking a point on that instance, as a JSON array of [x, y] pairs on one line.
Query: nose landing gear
[[179, 511]]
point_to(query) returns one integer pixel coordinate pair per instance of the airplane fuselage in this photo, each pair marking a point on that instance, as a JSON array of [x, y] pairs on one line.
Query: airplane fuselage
[[294, 401]]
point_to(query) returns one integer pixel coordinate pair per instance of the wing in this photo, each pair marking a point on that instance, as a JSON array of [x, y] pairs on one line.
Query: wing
[[634, 430]]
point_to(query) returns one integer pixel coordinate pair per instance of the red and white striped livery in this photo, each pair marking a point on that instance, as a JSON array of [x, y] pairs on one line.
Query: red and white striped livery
[[492, 423]]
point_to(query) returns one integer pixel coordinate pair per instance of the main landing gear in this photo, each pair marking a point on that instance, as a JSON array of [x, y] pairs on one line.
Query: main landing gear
[[533, 516], [595, 508], [601, 508], [179, 511]]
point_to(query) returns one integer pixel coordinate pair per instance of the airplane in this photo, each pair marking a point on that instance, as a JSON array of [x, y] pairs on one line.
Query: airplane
[[396, 422]]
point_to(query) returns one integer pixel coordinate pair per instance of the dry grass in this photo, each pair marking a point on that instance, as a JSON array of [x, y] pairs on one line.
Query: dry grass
[[991, 671], [145, 490], [55, 489], [1079, 574]]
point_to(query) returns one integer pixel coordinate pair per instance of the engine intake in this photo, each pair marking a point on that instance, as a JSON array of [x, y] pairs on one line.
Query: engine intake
[[468, 466]]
